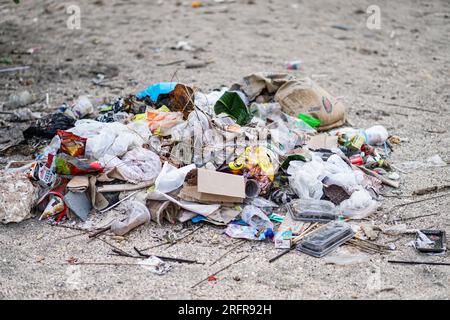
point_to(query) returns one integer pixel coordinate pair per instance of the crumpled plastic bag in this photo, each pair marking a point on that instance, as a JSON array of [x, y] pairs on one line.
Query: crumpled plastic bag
[[155, 265], [113, 138], [259, 83], [139, 214], [206, 101], [306, 178], [421, 241], [170, 178], [410, 166], [255, 218], [244, 232], [136, 166], [161, 123], [359, 206]]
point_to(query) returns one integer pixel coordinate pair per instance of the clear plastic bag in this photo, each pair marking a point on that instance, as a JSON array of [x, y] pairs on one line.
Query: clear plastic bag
[[306, 178], [255, 218], [139, 214], [244, 232], [359, 205], [376, 135], [137, 165], [110, 138]]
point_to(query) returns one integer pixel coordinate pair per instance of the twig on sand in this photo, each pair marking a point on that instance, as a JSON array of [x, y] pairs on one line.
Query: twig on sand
[[420, 200], [417, 217], [143, 255], [104, 263], [420, 262], [171, 243], [406, 107], [96, 233], [169, 63], [432, 189], [119, 202], [239, 243], [217, 272]]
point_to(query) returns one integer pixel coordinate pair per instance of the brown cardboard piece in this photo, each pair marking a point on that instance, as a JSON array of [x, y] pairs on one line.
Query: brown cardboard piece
[[99, 202], [322, 141], [222, 184], [78, 184], [215, 187], [190, 193]]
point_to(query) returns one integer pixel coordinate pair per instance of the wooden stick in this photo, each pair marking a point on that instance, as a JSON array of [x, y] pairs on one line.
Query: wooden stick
[[119, 202], [417, 217], [104, 263], [420, 200], [406, 106], [240, 243], [167, 258], [420, 262], [172, 243], [169, 63], [124, 187], [217, 272], [433, 189], [116, 249], [99, 232], [73, 236], [184, 237]]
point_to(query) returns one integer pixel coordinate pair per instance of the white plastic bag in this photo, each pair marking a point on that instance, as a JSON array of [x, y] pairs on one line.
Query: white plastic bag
[[110, 138], [136, 166], [144, 163], [139, 215], [359, 205], [255, 218], [170, 178], [376, 135], [306, 178]]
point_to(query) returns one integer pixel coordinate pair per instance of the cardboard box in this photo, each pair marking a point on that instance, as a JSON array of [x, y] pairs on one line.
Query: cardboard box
[[322, 141], [215, 187], [190, 193], [222, 184]]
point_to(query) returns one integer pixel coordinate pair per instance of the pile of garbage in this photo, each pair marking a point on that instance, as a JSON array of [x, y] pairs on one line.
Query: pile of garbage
[[269, 159]]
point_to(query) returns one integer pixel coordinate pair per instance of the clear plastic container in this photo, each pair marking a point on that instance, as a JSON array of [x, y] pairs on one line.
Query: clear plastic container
[[313, 210], [326, 239]]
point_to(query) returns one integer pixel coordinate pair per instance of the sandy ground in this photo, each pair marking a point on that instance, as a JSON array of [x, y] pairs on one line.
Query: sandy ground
[[377, 72]]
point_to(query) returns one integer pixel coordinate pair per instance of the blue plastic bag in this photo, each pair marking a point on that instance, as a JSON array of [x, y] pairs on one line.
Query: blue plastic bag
[[156, 89]]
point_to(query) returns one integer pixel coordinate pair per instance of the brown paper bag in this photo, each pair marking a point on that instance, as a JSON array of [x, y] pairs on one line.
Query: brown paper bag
[[306, 96]]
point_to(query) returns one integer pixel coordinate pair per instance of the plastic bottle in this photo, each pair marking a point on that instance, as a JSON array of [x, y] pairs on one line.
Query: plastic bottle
[[83, 106], [139, 215], [17, 100], [293, 65]]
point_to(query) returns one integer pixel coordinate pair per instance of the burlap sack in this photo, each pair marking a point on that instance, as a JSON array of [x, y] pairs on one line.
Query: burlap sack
[[306, 96]]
